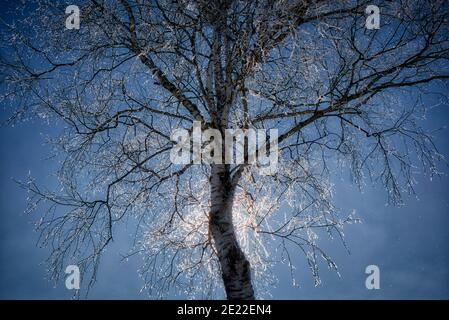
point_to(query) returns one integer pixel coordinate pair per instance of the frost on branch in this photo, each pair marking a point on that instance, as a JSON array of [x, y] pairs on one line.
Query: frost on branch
[[342, 97]]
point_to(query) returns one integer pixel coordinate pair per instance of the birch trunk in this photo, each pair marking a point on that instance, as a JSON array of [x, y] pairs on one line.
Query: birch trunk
[[235, 268]]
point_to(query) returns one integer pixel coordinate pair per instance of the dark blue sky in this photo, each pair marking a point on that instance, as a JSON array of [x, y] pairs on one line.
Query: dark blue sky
[[410, 244]]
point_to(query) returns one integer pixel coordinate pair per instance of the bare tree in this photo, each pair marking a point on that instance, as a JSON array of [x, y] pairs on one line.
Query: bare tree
[[341, 95]]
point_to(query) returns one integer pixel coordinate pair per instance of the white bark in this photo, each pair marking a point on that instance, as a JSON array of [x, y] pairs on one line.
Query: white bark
[[235, 268]]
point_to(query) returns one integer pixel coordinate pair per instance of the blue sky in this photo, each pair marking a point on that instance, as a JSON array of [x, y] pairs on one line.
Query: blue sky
[[410, 244]]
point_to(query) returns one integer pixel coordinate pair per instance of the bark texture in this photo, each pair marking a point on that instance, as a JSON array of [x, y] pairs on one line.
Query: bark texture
[[235, 268]]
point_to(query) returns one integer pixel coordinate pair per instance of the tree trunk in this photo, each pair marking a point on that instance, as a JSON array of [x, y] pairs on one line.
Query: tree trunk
[[235, 268]]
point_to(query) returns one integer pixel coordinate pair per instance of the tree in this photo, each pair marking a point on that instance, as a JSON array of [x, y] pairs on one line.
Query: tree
[[341, 96]]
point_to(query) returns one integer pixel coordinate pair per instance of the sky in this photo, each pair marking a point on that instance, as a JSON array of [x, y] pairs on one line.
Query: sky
[[409, 244]]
